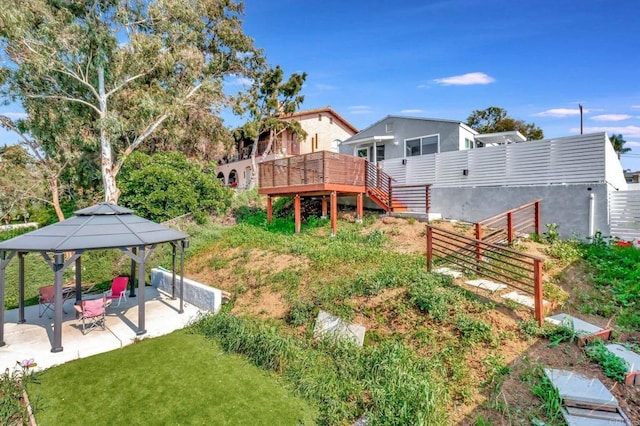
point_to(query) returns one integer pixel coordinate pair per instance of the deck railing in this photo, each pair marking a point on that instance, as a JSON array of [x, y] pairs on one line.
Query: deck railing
[[411, 198], [519, 270], [504, 227], [322, 167]]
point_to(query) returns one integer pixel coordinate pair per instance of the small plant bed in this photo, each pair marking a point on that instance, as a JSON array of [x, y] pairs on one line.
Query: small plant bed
[[181, 378]]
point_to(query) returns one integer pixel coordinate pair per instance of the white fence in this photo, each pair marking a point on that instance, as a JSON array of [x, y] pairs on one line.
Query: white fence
[[624, 214], [574, 159]]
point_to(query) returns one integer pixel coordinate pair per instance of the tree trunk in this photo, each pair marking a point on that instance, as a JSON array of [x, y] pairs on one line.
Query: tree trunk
[[111, 192], [254, 164], [55, 199]]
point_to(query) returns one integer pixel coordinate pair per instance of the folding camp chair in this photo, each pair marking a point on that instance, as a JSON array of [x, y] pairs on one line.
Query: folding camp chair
[[118, 289], [92, 314], [46, 299]]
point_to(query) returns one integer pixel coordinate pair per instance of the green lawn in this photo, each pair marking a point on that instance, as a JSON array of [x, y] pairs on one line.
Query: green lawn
[[181, 378]]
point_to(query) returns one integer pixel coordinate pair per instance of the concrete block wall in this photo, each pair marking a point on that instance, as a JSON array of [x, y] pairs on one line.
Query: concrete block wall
[[195, 293]]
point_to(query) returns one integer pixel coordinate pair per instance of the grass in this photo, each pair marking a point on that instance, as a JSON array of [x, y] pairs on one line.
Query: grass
[[181, 378]]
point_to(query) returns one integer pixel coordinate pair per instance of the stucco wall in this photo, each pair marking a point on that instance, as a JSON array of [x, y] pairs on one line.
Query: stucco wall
[[326, 128], [565, 205]]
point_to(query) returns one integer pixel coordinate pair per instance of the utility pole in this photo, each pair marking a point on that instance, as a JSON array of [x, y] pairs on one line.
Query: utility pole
[[581, 128]]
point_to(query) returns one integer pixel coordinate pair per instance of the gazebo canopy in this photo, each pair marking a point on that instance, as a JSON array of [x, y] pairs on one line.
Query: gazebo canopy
[[97, 227], [101, 226]]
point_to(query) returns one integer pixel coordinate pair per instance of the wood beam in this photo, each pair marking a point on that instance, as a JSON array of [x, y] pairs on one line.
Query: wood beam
[[269, 209], [359, 208], [297, 213], [324, 207], [334, 213]]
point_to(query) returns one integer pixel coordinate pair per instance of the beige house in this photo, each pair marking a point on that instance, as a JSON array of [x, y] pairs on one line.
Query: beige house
[[325, 129]]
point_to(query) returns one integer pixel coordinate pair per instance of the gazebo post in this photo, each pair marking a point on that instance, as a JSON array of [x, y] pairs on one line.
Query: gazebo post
[[3, 265], [141, 326], [183, 244], [173, 270], [58, 266], [78, 280], [21, 256], [132, 284]]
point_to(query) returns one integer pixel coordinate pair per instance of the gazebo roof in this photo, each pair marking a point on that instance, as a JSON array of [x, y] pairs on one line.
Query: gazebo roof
[[101, 226]]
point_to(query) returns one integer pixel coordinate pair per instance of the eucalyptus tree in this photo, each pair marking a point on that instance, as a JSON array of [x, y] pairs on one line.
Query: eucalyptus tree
[[131, 67], [268, 103]]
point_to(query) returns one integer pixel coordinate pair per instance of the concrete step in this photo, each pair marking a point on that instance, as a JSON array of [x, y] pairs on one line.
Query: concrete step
[[522, 299], [422, 217], [585, 331], [486, 285], [633, 363]]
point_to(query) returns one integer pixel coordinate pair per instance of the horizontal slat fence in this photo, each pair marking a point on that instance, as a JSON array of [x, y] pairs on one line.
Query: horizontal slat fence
[[516, 269], [553, 161], [624, 213]]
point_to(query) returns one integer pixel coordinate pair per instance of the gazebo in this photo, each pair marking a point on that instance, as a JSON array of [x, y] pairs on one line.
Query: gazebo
[[102, 226]]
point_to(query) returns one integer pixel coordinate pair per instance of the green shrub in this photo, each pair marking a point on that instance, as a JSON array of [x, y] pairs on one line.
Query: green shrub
[[612, 365], [167, 185]]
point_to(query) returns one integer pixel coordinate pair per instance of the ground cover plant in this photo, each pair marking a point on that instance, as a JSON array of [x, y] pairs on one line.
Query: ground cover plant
[[180, 378]]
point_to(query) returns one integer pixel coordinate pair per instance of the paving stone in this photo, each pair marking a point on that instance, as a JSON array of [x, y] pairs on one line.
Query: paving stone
[[522, 299], [582, 417], [486, 285], [448, 271], [330, 324], [577, 390], [632, 358], [579, 326]]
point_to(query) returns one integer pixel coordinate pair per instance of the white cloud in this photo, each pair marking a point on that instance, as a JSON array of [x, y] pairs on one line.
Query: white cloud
[[360, 109], [633, 144], [324, 87], [241, 81], [625, 131], [423, 86], [412, 111], [611, 117], [560, 112], [15, 115], [465, 79], [635, 106]]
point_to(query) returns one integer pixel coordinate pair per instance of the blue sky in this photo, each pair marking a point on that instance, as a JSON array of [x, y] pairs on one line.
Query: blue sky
[[443, 59]]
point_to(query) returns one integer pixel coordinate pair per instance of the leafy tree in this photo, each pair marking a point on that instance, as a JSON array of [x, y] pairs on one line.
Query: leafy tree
[[618, 144], [19, 182], [127, 69], [494, 119], [267, 103], [167, 185]]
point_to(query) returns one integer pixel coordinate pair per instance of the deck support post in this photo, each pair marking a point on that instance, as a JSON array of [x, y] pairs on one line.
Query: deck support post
[[324, 206], [297, 214], [359, 209], [334, 213], [269, 209]]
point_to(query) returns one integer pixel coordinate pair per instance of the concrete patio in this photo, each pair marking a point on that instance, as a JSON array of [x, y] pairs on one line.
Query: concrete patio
[[33, 339]]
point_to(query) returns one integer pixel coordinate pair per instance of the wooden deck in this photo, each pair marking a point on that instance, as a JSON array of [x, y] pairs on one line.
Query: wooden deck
[[317, 173], [330, 175]]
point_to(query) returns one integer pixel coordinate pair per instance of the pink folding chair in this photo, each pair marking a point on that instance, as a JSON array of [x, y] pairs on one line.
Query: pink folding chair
[[118, 289], [92, 314], [45, 300]]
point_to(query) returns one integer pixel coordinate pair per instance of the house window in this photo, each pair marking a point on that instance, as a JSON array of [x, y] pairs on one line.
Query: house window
[[468, 143], [388, 127], [422, 146]]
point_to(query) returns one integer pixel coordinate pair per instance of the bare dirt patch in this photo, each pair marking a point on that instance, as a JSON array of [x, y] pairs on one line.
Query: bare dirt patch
[[262, 303]]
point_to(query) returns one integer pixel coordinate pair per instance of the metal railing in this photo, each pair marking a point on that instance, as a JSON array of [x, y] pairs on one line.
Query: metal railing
[[518, 270], [505, 226], [412, 198]]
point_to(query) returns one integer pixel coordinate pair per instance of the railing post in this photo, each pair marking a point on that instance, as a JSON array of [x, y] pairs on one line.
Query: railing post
[[429, 248], [296, 213], [478, 246], [304, 168], [324, 167], [537, 217], [273, 174], [288, 171], [537, 291], [510, 227], [426, 200], [390, 201], [366, 175]]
